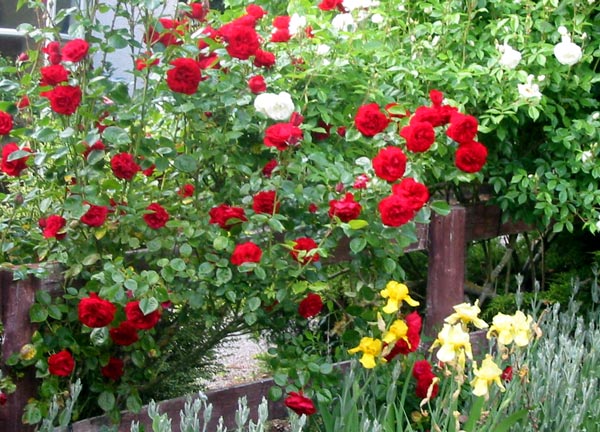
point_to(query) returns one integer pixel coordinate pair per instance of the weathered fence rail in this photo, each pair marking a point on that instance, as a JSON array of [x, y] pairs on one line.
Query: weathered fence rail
[[445, 239]]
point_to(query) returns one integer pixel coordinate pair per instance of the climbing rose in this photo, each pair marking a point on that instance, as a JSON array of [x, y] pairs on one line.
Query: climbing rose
[[242, 41], [75, 50], [198, 11], [300, 404], [113, 369], [304, 244], [13, 167], [256, 11], [282, 135], [157, 216], [269, 167], [187, 190], [346, 209], [310, 306], [395, 210], [123, 166], [390, 163], [419, 136], [95, 216], [171, 35], [184, 76], [370, 121], [52, 225], [264, 59], [463, 128], [61, 363], [6, 123], [265, 202], [415, 193], [246, 253], [471, 157], [95, 312], [257, 84], [124, 335], [226, 216], [98, 146], [52, 50], [64, 99], [360, 182], [136, 317], [327, 5]]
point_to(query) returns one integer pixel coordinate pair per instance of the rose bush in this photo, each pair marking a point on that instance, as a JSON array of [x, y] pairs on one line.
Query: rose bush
[[371, 110]]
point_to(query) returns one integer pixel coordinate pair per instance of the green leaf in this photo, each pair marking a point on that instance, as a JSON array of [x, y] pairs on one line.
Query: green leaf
[[99, 336], [220, 243], [357, 224], [275, 393], [250, 318], [440, 207], [358, 244], [186, 163], [134, 403], [54, 312], [253, 303], [148, 305], [506, 424], [90, 259], [43, 297], [38, 313], [18, 154], [178, 264], [231, 296], [326, 368], [106, 400], [116, 135]]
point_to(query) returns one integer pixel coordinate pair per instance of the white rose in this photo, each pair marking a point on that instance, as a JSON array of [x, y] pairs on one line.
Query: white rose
[[529, 90], [510, 56], [566, 52], [297, 23], [344, 22], [275, 106], [323, 49], [377, 18]]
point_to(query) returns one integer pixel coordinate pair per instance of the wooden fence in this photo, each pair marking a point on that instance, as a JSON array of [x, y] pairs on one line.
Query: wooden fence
[[445, 240]]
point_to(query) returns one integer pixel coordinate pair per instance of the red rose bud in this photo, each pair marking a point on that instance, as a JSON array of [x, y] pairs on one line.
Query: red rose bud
[[300, 404], [269, 167], [360, 182], [23, 57], [186, 191], [507, 374]]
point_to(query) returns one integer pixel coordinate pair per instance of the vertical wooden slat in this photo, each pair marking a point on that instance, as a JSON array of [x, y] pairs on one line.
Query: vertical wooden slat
[[446, 272], [17, 297]]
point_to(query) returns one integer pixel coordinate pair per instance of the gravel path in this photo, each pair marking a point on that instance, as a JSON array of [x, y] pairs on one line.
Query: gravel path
[[238, 354]]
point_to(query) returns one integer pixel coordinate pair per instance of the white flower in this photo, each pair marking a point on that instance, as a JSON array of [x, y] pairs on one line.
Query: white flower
[[377, 18], [566, 52], [297, 23], [323, 49], [529, 90], [510, 56], [275, 106], [344, 22], [562, 30], [596, 115], [586, 156]]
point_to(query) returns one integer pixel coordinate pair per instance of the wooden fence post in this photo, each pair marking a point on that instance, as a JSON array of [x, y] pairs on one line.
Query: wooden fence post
[[446, 269]]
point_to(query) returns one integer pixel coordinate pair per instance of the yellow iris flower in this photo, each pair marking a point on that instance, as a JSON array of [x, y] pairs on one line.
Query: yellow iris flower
[[397, 331], [454, 343], [370, 348], [511, 328], [467, 313], [488, 373], [396, 293]]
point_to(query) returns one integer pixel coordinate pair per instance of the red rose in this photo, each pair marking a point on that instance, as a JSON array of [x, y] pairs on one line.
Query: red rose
[[136, 317], [113, 369], [256, 11], [6, 123], [95, 312], [413, 322], [124, 335], [327, 5], [187, 190], [185, 76], [282, 135], [415, 193], [265, 202], [419, 136], [436, 97], [142, 63], [64, 99], [360, 182], [13, 167], [264, 59], [423, 385], [281, 35], [95, 216], [301, 248], [463, 128], [395, 211], [471, 157], [310, 306], [123, 166], [312, 208], [171, 34], [52, 50], [421, 368], [61, 363], [507, 374], [282, 21], [226, 216], [210, 61], [321, 136], [157, 216], [3, 398], [198, 11], [341, 131], [300, 404], [75, 50], [149, 171], [346, 209], [242, 41], [370, 121], [98, 146], [269, 167], [23, 102], [390, 163], [52, 226], [246, 253], [257, 84]]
